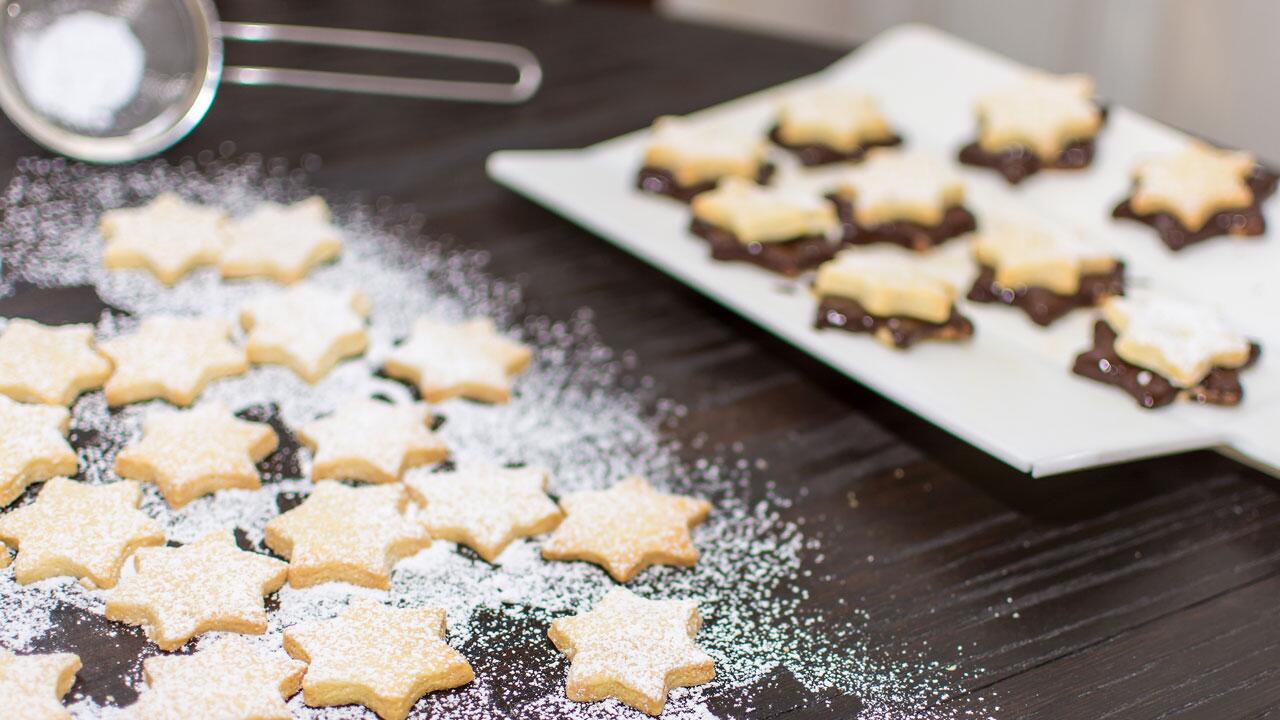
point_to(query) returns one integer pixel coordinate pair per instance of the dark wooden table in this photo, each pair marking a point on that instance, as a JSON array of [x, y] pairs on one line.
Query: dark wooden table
[[1147, 590]]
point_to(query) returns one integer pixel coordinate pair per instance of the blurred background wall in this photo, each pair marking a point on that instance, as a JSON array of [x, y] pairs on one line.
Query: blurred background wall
[[1208, 66]]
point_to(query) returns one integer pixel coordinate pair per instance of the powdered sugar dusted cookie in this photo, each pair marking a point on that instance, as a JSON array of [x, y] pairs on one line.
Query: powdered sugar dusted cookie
[[831, 124], [1159, 348], [485, 507], [167, 236], [307, 328], [43, 364], [371, 440], [627, 528], [210, 584], [784, 229], [346, 534], [190, 453], [890, 295], [228, 679], [32, 686], [33, 446], [905, 198], [469, 359], [281, 242], [85, 531], [632, 649], [380, 657], [171, 358], [685, 157], [1199, 193]]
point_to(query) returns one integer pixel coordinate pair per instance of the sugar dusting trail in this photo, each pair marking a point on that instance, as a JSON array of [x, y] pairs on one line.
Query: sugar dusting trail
[[581, 412]]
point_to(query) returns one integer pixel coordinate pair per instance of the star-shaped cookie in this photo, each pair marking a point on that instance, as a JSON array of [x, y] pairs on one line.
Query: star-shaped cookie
[[229, 679], [381, 657], [627, 528], [206, 585], [33, 446], [53, 365], [893, 185], [1179, 339], [281, 242], [633, 649], [306, 328], [372, 441], [172, 358], [32, 686], [345, 534], [469, 360], [167, 236], [840, 118], [85, 531], [1193, 185], [1042, 112], [485, 507], [190, 453]]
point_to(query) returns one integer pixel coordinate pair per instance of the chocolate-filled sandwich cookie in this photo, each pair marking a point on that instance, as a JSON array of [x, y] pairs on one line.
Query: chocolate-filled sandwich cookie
[[831, 124], [685, 158], [786, 229]]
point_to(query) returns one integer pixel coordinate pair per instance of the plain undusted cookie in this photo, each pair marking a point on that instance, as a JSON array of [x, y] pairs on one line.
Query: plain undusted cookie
[[371, 440], [85, 531], [210, 584], [381, 657], [167, 236], [633, 649], [32, 686], [306, 328], [229, 679], [33, 446], [627, 528], [281, 242], [485, 507], [346, 534], [43, 364], [171, 358], [189, 453], [469, 360]]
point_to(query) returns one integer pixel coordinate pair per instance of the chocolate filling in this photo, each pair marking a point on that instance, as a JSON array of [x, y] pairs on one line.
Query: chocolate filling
[[912, 235], [1152, 390], [661, 182], [1043, 305], [849, 315], [811, 154], [787, 257], [1245, 221], [1018, 163]]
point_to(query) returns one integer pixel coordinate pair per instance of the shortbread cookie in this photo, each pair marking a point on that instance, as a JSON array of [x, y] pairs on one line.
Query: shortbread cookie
[[470, 360], [485, 507], [1159, 349], [1045, 269], [171, 358], [32, 686], [907, 199], [831, 124], [685, 158], [33, 446], [632, 649], [190, 453], [786, 230], [627, 528], [1040, 122], [53, 365], [306, 328], [281, 242], [85, 531], [372, 441], [207, 585], [229, 679], [890, 296], [1199, 193], [381, 657], [346, 534], [167, 236]]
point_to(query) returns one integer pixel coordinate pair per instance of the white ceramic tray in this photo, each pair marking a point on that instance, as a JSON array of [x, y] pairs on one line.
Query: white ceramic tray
[[1009, 391]]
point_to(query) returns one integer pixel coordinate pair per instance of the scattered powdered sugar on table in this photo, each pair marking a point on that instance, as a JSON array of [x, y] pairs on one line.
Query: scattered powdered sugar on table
[[580, 412]]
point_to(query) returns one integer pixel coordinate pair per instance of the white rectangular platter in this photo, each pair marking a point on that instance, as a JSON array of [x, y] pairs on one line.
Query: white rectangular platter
[[1010, 390]]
